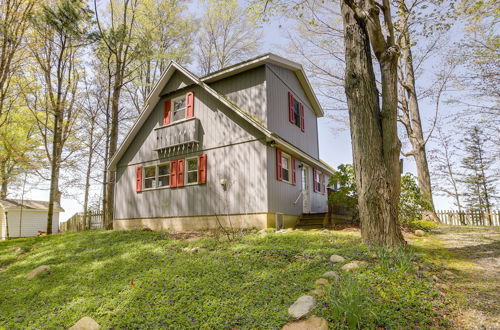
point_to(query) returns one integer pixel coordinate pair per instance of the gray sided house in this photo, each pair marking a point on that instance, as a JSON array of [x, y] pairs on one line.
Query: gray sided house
[[237, 148]]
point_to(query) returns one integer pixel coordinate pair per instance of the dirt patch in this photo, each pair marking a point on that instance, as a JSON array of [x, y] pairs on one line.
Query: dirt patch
[[472, 257]]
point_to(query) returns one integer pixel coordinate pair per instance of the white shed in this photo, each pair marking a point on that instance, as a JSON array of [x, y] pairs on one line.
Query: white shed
[[26, 218]]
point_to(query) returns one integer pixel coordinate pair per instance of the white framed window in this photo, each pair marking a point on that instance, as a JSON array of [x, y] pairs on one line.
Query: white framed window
[[317, 181], [192, 170], [286, 167], [149, 177], [164, 175], [179, 108]]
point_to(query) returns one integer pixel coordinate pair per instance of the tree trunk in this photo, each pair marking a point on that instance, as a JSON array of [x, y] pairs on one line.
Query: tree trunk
[[113, 143], [374, 138], [87, 174], [412, 121], [5, 181], [54, 194]]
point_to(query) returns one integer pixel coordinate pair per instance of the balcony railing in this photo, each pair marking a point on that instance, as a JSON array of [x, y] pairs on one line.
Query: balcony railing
[[178, 135]]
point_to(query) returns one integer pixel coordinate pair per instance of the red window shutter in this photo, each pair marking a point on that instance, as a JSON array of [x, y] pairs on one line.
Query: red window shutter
[[180, 173], [291, 117], [166, 113], [294, 174], [315, 187], [278, 164], [189, 104], [302, 122], [202, 169], [322, 177], [173, 173], [138, 179]]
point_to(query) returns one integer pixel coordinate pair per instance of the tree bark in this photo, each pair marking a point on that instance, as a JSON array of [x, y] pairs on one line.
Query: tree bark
[[54, 194], [411, 116], [375, 143]]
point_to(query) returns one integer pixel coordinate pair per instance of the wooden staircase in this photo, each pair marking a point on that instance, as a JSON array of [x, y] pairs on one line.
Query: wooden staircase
[[311, 221]]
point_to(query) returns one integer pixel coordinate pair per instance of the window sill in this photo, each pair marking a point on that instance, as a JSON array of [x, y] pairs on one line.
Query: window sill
[[169, 187], [175, 123]]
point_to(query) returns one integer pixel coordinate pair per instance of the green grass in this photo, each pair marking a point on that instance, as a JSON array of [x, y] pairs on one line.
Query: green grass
[[247, 283]]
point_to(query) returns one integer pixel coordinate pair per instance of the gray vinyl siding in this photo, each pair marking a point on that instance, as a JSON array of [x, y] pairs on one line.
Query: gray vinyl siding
[[241, 165], [235, 151], [176, 82], [248, 91], [280, 81], [282, 195]]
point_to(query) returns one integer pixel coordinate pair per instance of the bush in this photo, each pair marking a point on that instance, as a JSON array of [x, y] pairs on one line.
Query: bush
[[423, 225], [411, 202]]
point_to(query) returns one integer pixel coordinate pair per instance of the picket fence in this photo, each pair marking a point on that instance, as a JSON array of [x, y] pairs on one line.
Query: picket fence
[[469, 218], [82, 221]]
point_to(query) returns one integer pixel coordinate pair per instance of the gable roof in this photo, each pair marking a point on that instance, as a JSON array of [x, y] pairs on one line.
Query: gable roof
[[271, 59], [17, 204], [155, 97]]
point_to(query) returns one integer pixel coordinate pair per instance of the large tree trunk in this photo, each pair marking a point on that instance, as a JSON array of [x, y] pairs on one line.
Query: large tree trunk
[[87, 174], [375, 143], [5, 181], [411, 118]]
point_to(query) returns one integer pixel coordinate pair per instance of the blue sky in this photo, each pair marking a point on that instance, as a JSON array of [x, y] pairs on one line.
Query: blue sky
[[335, 145]]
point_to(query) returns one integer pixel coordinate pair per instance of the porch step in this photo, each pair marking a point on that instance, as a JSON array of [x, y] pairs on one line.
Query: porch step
[[311, 221]]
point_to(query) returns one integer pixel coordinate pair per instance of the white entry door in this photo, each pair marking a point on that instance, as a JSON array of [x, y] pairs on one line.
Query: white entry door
[[306, 189]]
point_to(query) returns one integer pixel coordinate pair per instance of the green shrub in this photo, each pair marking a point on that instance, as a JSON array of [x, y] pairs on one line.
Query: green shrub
[[423, 225], [411, 202]]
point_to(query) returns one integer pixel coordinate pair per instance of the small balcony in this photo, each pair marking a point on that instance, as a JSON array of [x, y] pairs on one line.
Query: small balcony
[[178, 136]]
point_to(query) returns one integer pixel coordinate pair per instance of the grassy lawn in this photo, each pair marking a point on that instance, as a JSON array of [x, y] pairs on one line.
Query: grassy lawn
[[139, 279]]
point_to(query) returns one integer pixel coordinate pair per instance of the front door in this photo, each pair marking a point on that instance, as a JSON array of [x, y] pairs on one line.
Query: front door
[[306, 190]]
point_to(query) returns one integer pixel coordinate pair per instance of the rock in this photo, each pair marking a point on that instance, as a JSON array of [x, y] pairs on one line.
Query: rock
[[419, 255], [331, 275], [352, 266], [317, 292], [312, 323], [302, 307], [321, 282], [85, 323], [17, 249], [37, 271], [336, 258], [419, 233], [262, 231], [325, 231], [281, 231]]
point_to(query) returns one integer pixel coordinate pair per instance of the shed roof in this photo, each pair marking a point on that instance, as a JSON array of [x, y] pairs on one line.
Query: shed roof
[[27, 204]]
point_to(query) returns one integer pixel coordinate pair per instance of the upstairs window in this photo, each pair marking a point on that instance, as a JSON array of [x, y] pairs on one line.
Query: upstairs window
[[179, 108], [296, 112], [149, 177], [164, 175]]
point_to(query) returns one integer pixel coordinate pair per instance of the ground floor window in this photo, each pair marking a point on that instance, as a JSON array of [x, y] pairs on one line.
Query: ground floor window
[[164, 175], [192, 170], [149, 177], [286, 163]]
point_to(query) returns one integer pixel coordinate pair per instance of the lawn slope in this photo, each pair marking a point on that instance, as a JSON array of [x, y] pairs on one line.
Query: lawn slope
[[133, 279]]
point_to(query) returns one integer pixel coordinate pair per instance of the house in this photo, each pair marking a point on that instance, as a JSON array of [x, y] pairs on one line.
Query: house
[[25, 218], [238, 147]]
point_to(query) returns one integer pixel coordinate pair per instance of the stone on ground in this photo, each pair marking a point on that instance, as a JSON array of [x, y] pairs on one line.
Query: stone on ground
[[312, 323], [419, 255], [317, 292], [331, 275], [37, 271], [302, 307], [352, 266], [85, 323], [336, 258], [419, 233], [17, 249], [321, 281]]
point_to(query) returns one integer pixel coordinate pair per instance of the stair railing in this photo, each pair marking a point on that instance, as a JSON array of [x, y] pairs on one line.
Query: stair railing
[[298, 197]]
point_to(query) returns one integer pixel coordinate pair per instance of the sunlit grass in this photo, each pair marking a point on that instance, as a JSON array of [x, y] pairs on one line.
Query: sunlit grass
[[133, 279]]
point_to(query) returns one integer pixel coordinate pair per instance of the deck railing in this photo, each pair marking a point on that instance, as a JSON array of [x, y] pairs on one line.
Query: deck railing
[[470, 218]]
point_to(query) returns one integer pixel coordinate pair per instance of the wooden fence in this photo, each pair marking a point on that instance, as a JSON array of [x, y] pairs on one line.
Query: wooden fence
[[81, 221], [470, 218]]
